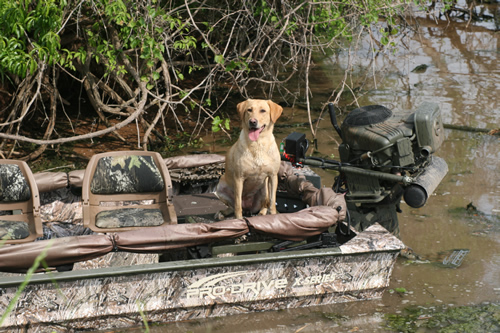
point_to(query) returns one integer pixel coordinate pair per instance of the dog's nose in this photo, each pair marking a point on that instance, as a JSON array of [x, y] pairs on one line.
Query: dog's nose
[[253, 123]]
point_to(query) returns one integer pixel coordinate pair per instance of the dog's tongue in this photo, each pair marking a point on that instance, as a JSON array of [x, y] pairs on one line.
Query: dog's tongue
[[253, 133]]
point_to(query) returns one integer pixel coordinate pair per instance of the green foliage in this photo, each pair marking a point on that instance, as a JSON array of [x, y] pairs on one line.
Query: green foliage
[[179, 142], [219, 59], [29, 35], [333, 19], [237, 64], [140, 306], [218, 123]]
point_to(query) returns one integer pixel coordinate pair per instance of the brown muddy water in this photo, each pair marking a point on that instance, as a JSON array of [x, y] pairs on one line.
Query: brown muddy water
[[463, 78]]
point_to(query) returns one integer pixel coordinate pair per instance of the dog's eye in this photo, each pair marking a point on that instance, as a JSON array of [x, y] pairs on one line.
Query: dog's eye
[[249, 110], [262, 111]]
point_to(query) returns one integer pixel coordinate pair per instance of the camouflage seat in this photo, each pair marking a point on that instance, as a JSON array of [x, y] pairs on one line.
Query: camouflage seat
[[127, 190], [19, 203]]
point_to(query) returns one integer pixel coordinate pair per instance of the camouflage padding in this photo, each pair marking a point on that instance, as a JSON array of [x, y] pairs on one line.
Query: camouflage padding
[[13, 185], [14, 230], [61, 205], [129, 217], [60, 229], [196, 180], [126, 174]]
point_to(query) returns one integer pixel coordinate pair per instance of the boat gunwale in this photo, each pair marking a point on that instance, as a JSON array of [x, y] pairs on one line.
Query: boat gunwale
[[182, 265]]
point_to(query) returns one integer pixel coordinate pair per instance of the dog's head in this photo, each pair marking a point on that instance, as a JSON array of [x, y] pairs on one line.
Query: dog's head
[[258, 116]]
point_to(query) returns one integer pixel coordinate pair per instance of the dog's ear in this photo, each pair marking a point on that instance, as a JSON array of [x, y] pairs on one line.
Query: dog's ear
[[241, 107], [276, 110]]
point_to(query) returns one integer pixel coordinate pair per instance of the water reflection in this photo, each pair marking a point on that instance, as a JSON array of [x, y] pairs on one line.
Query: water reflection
[[461, 73]]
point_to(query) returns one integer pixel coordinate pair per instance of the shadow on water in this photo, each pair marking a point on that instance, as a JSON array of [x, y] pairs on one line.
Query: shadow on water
[[462, 75]]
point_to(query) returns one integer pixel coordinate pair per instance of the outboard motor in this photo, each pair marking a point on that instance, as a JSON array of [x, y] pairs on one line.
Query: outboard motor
[[383, 159], [375, 143]]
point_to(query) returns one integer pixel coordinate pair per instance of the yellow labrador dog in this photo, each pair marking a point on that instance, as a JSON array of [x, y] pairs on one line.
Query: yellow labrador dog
[[253, 162]]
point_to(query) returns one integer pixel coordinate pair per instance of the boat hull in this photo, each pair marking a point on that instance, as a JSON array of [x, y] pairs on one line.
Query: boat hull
[[120, 297]]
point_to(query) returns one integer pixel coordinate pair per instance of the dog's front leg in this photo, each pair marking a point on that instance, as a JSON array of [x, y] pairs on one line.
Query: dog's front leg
[[272, 193], [238, 193], [264, 202]]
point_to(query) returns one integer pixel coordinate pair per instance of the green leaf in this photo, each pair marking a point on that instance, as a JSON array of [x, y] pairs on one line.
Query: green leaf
[[219, 59], [33, 66], [215, 124], [230, 66]]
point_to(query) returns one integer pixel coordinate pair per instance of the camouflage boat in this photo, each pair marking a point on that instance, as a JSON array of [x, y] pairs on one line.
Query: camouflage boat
[[111, 280], [173, 263]]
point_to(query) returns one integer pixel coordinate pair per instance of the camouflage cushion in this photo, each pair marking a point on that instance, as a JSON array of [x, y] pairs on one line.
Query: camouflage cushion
[[13, 185], [14, 230], [126, 174], [129, 217]]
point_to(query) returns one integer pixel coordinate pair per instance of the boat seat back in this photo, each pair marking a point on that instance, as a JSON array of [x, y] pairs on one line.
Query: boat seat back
[[126, 190], [19, 203]]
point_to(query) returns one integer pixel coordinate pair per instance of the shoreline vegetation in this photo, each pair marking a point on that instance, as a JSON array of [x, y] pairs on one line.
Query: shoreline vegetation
[[155, 72]]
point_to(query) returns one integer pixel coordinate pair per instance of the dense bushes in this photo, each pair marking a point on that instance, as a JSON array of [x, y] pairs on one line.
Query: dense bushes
[[160, 63]]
